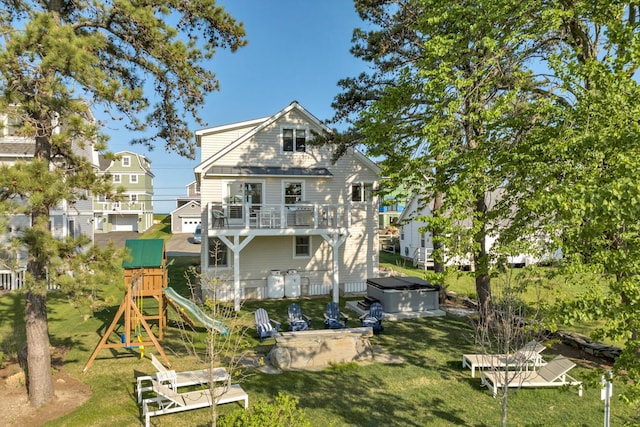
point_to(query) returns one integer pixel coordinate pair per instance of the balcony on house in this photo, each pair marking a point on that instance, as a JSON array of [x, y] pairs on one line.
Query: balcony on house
[[122, 206], [300, 215]]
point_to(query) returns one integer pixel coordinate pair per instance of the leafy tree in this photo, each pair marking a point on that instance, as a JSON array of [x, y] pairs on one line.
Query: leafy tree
[[446, 99], [55, 53], [533, 102], [580, 184]]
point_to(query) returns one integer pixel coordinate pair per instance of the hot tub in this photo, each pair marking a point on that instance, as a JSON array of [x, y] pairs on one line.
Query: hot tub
[[403, 294]]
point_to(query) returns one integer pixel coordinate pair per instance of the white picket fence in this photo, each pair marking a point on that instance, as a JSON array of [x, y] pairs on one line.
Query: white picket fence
[[13, 280]]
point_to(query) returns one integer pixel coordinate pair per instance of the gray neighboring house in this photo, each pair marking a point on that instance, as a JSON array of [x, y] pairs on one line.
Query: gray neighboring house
[[187, 214], [70, 218]]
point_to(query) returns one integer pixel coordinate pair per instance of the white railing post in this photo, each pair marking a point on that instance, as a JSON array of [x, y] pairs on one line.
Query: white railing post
[[315, 215]]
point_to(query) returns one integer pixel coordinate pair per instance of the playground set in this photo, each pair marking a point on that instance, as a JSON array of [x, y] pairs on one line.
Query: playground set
[[146, 301]]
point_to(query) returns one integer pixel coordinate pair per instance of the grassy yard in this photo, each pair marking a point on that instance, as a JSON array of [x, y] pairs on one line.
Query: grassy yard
[[429, 388]]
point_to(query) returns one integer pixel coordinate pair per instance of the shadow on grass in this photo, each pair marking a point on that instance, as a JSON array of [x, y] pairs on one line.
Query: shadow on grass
[[353, 400]]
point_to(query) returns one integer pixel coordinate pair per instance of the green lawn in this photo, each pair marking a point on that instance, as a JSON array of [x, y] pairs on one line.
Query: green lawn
[[429, 388]]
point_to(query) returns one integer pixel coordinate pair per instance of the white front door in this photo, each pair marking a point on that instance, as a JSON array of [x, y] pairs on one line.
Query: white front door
[[240, 194]]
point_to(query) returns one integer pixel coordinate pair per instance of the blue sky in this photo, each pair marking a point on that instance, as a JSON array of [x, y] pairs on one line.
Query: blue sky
[[297, 50]]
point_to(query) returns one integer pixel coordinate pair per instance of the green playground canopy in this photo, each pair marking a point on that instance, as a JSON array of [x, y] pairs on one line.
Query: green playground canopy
[[144, 253]]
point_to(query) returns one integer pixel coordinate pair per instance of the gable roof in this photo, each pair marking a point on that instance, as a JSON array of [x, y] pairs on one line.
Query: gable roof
[[189, 204], [264, 123], [261, 124]]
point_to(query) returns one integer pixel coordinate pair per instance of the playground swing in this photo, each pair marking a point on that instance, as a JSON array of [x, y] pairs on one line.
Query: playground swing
[[138, 329], [146, 278]]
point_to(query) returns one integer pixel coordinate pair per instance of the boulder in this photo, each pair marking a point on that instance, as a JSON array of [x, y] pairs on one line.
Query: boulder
[[317, 349]]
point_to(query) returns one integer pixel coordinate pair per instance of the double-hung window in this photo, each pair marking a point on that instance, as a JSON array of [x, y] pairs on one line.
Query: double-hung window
[[11, 126], [362, 192], [126, 161], [302, 247], [117, 178], [292, 192], [294, 140], [133, 179]]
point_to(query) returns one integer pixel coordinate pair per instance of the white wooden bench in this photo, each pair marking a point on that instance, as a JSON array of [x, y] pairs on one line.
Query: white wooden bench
[[168, 401]]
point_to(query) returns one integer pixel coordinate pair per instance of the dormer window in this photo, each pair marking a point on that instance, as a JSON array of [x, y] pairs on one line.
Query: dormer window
[[126, 161], [294, 140]]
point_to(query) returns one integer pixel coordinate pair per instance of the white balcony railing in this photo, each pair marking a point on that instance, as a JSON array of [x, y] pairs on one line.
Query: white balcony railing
[[271, 216], [12, 280]]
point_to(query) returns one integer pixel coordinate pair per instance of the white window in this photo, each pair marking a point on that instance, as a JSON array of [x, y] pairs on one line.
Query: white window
[[11, 125], [294, 140], [126, 161], [292, 192], [362, 192], [102, 198], [133, 197], [117, 178], [302, 246], [133, 179]]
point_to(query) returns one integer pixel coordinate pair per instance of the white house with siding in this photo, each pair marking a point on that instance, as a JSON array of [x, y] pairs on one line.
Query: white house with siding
[[416, 243], [273, 204], [70, 218]]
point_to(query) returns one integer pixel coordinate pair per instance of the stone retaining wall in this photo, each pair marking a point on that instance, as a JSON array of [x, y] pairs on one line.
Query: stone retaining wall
[[317, 349], [573, 339], [587, 345]]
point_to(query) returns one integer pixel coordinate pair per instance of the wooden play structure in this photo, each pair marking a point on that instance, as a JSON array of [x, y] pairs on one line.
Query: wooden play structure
[[144, 304]]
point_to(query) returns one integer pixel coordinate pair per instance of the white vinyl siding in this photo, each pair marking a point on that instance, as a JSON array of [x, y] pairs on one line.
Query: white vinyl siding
[[358, 255]]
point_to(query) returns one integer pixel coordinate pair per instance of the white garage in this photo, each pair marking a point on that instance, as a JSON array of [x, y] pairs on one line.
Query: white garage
[[189, 224], [185, 218], [124, 222]]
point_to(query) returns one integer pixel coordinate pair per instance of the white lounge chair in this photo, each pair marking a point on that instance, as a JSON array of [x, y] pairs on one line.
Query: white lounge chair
[[553, 374], [168, 401], [526, 357], [175, 379]]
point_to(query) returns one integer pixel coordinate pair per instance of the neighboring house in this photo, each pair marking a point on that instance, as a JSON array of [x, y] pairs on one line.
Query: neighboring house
[[416, 244], [391, 206], [70, 218], [134, 210], [273, 203], [193, 194], [186, 217]]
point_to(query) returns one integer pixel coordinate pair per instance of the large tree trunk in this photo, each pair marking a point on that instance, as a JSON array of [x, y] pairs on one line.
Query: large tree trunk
[[438, 265], [39, 377], [481, 260]]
